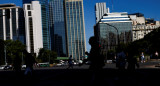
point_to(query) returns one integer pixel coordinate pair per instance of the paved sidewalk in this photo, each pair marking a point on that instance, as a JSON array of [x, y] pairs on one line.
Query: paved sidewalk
[[146, 75]]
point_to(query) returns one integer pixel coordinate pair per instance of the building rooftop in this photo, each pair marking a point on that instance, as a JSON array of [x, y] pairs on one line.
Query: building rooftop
[[138, 14], [7, 5], [115, 17]]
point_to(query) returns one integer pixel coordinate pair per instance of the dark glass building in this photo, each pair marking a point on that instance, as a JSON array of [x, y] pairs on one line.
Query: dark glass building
[[57, 27], [113, 29]]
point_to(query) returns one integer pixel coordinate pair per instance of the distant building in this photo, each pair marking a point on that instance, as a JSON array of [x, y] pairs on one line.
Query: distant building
[[33, 25], [139, 31], [75, 28], [100, 9], [142, 26], [57, 27], [12, 27], [137, 18], [112, 29], [45, 21]]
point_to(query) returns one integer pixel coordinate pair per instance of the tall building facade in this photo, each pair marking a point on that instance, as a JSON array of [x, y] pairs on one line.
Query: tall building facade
[[112, 29], [57, 27], [100, 9], [12, 26], [75, 28], [45, 21], [33, 26]]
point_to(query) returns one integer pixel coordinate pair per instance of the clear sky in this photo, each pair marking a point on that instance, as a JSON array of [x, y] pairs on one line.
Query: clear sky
[[150, 9]]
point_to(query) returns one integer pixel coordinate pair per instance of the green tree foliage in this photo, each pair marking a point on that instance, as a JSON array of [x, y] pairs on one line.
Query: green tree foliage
[[46, 55], [149, 44], [13, 49]]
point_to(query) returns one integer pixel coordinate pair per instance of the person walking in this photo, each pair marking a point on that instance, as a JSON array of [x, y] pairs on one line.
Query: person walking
[[156, 55], [142, 58], [132, 63], [96, 60], [70, 63], [120, 60]]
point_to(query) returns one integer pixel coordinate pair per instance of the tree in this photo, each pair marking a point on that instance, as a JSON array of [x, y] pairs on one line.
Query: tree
[[46, 55], [13, 49], [149, 44]]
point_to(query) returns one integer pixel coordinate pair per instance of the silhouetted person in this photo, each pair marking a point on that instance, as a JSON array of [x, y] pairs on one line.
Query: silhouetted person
[[96, 62], [120, 60], [29, 64], [132, 63], [17, 64], [96, 59], [85, 59], [70, 63], [156, 55], [142, 58]]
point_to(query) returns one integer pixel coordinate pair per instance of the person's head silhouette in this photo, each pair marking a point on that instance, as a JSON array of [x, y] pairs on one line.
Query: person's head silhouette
[[93, 41]]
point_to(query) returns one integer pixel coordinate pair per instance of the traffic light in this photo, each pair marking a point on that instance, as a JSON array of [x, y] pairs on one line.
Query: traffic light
[[8, 13]]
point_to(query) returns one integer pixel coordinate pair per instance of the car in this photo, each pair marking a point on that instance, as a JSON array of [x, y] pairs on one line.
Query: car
[[5, 67], [23, 66], [2, 67]]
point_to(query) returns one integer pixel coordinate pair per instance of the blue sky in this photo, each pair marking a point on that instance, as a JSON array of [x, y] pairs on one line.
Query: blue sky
[[150, 9]]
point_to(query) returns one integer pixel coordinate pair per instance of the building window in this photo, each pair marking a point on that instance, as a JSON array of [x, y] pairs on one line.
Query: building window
[[31, 34], [29, 13], [28, 7]]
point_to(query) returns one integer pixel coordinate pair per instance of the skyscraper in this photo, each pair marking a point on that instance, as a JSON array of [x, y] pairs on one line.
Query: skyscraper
[[100, 9], [57, 27], [75, 28], [33, 26], [12, 23], [45, 21]]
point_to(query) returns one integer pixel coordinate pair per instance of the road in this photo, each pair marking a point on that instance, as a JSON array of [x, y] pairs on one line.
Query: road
[[146, 75]]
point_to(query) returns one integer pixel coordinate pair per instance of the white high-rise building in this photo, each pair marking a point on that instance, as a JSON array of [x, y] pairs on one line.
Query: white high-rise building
[[100, 9], [33, 25]]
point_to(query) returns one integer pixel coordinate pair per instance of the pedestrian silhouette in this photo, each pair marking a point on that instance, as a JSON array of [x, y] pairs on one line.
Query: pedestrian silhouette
[[29, 60], [96, 62], [156, 55], [142, 58], [70, 63], [120, 60], [132, 63], [95, 57], [17, 64], [85, 59]]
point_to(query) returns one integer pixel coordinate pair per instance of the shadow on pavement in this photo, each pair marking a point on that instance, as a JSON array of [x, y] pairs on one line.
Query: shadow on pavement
[[81, 77]]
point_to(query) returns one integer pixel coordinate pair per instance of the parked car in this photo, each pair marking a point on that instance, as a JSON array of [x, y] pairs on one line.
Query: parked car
[[2, 67], [6, 67], [23, 66]]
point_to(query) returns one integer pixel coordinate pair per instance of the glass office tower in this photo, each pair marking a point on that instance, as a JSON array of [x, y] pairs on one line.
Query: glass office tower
[[113, 29], [57, 27], [12, 27], [75, 28], [45, 21]]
